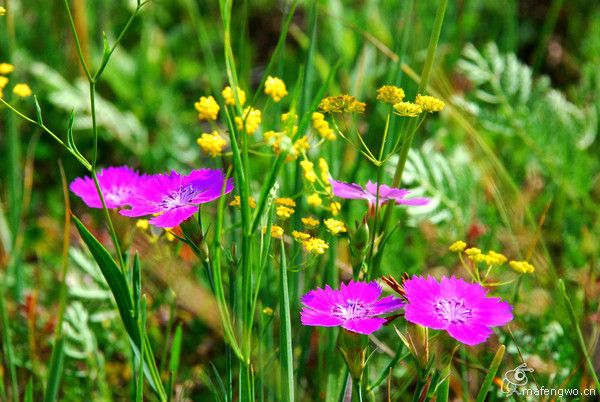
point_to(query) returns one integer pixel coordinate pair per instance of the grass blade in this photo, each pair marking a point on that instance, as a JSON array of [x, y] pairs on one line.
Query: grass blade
[[487, 381]]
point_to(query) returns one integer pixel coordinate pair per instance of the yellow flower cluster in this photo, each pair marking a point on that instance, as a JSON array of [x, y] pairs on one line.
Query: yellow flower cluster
[[2, 11], [324, 167], [429, 103], [322, 126], [300, 236], [314, 200], [253, 118], [229, 97], [390, 94], [475, 254], [315, 246], [457, 246], [6, 68], [494, 258], [522, 266], [22, 90], [342, 103], [284, 212], [236, 202], [408, 109], [300, 146], [334, 226], [3, 83], [288, 202], [207, 108], [275, 87], [142, 224], [212, 144], [310, 222], [309, 171], [335, 208], [276, 232]]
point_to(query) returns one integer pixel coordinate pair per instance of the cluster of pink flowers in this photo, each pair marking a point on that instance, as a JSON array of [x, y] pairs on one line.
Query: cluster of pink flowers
[[451, 304], [170, 198]]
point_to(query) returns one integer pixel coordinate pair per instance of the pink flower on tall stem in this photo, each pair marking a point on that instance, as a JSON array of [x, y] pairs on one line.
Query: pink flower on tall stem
[[369, 193], [355, 307], [458, 307], [173, 198], [118, 184]]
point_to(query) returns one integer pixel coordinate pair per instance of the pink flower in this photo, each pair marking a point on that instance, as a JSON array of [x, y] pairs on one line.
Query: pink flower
[[458, 307], [118, 184], [173, 198], [354, 307], [369, 193]]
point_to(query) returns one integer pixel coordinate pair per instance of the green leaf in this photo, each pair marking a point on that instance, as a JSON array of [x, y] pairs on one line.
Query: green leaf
[[56, 370], [29, 391], [487, 381], [38, 111]]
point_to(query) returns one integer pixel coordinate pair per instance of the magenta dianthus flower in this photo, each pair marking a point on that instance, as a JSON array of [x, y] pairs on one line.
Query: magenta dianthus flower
[[369, 193], [118, 184], [461, 308], [354, 307], [173, 198]]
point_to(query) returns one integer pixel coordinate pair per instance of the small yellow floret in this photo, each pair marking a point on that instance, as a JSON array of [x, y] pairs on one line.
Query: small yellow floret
[[334, 226], [475, 254], [324, 167], [276, 232], [6, 68], [169, 236], [408, 109], [342, 103], [2, 11], [310, 222], [229, 97], [314, 200], [288, 202], [429, 103], [301, 145], [315, 246], [212, 144], [236, 202], [390, 94], [457, 246], [494, 258], [22, 90], [207, 108], [3, 81], [142, 224], [322, 126], [267, 311], [335, 208], [253, 118], [309, 170], [284, 212], [300, 235], [275, 87], [522, 266]]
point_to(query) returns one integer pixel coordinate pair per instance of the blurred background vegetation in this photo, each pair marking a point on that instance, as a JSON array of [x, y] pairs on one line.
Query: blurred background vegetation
[[512, 164]]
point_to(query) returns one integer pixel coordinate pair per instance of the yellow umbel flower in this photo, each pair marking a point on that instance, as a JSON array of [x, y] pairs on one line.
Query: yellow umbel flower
[[342, 103], [212, 144], [169, 236], [522, 266], [494, 258], [229, 96], [301, 145], [309, 170], [300, 235], [207, 108], [310, 222], [284, 212], [3, 81], [390, 94], [314, 200], [334, 226], [322, 126], [253, 119], [276, 231], [457, 246], [335, 208], [22, 90], [237, 201], [429, 103], [142, 224], [288, 202], [314, 245], [408, 109], [2, 11], [324, 168], [475, 254], [6, 68], [289, 115], [275, 87]]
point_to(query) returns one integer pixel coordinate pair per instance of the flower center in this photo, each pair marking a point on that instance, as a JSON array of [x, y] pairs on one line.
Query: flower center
[[351, 309], [178, 198], [453, 310], [117, 194]]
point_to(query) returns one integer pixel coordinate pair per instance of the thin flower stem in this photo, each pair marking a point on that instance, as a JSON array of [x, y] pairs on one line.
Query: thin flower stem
[[286, 351], [77, 43]]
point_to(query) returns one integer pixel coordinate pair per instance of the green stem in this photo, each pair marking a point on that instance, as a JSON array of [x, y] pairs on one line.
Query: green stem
[[286, 351]]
